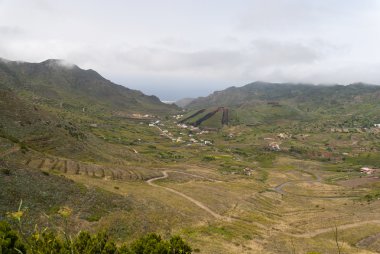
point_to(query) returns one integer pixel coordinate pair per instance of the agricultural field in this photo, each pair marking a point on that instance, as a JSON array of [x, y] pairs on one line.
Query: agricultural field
[[231, 194], [257, 169]]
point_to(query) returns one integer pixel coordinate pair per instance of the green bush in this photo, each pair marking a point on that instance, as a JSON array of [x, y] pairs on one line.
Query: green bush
[[48, 241], [208, 158], [9, 240], [5, 171], [153, 243]]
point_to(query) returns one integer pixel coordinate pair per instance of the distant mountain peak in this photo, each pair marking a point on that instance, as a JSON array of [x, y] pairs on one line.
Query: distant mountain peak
[[62, 82], [4, 60], [59, 63]]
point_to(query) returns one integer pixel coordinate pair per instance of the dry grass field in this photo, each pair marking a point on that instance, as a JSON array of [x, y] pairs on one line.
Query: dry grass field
[[228, 197]]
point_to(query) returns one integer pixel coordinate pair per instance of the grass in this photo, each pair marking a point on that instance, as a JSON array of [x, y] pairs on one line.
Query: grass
[[102, 177]]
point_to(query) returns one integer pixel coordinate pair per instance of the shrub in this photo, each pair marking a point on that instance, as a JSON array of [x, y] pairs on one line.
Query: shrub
[[153, 243], [48, 241], [5, 171], [208, 158], [9, 240]]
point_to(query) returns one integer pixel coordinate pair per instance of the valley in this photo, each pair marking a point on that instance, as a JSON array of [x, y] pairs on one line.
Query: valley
[[209, 197], [227, 177]]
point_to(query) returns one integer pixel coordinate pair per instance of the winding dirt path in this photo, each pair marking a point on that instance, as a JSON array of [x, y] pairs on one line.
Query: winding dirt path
[[163, 133], [365, 242], [331, 229], [279, 189], [193, 175], [196, 202]]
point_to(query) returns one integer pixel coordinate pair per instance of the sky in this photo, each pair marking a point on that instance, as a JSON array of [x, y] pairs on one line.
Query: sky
[[182, 48]]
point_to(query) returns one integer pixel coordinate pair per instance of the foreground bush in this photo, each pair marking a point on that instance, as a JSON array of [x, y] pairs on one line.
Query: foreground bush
[[9, 240], [84, 243]]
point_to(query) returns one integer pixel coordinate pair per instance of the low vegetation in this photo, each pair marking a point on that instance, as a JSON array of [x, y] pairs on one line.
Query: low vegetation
[[47, 241], [295, 169]]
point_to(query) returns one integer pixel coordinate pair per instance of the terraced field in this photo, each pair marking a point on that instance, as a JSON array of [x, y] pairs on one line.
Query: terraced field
[[110, 172], [236, 192], [208, 118]]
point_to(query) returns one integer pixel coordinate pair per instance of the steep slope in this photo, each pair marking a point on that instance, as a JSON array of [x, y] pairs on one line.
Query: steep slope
[[60, 84], [183, 102], [55, 108], [261, 102], [211, 118]]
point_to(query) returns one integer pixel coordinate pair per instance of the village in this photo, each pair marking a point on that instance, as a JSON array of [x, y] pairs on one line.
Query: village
[[182, 133], [374, 129]]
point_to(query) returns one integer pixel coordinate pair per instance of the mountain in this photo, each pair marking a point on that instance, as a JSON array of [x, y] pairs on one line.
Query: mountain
[[184, 102], [60, 84], [50, 106], [261, 102]]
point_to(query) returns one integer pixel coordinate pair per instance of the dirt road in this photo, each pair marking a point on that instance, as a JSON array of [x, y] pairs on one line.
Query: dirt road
[[196, 176], [196, 202], [279, 189], [331, 229]]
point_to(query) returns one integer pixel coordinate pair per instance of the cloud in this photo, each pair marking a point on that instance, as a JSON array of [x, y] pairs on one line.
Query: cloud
[[10, 30], [297, 16], [157, 45], [156, 59], [268, 53]]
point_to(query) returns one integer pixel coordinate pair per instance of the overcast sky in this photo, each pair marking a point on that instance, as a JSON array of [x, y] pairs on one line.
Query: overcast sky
[[180, 48]]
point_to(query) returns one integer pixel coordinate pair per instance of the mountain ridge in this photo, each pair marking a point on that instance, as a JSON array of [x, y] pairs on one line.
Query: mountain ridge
[[265, 102], [56, 79]]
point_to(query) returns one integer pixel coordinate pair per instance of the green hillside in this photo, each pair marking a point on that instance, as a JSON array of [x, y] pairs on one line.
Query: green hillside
[[213, 118], [61, 85], [259, 102], [281, 174]]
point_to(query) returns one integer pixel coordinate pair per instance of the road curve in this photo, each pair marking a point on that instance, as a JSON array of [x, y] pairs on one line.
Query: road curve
[[196, 202], [279, 189], [197, 176], [331, 229]]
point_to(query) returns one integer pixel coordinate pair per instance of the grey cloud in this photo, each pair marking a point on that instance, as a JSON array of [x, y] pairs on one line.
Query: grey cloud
[[226, 43], [267, 53], [10, 30], [295, 16], [156, 59]]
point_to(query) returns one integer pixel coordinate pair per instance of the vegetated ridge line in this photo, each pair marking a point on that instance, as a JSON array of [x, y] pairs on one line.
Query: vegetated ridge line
[[196, 202], [331, 229]]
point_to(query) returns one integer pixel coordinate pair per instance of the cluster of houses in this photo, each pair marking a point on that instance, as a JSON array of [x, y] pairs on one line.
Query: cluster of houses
[[192, 140], [189, 127], [141, 116], [375, 128], [248, 171], [177, 117], [274, 146], [156, 123], [368, 171]]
